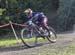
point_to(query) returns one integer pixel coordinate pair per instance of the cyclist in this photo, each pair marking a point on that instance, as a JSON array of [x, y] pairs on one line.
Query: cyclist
[[39, 16]]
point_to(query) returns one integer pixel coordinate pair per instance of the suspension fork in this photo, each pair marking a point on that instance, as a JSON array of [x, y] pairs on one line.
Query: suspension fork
[[30, 31]]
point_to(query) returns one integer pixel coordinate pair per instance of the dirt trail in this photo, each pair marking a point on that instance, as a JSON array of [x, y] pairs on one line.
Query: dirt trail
[[63, 41]]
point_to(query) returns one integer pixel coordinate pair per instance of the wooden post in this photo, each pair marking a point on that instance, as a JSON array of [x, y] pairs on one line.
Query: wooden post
[[14, 31]]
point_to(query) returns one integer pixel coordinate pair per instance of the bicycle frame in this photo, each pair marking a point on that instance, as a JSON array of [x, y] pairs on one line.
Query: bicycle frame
[[33, 30], [30, 24]]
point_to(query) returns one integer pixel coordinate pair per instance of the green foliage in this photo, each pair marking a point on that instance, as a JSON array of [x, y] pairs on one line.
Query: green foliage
[[63, 20], [15, 8], [66, 15]]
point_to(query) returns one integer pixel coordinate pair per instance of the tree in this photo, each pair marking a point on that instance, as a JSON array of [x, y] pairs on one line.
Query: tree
[[66, 16]]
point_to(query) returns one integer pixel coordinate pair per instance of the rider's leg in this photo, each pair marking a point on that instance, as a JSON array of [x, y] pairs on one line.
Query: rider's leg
[[44, 26], [44, 22]]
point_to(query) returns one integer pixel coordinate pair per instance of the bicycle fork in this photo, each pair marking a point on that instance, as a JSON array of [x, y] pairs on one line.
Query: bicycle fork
[[31, 33]]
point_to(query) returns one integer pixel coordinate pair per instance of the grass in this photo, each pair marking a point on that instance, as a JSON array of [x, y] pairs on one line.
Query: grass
[[67, 49], [7, 42], [10, 40], [33, 39]]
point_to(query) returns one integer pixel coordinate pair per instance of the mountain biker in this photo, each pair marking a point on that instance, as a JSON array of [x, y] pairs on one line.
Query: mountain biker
[[39, 16]]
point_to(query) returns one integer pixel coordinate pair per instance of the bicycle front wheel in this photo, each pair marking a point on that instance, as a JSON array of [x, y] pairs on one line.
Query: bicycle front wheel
[[52, 35], [28, 37]]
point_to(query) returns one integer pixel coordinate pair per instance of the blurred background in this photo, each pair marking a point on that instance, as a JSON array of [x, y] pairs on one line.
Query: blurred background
[[60, 13]]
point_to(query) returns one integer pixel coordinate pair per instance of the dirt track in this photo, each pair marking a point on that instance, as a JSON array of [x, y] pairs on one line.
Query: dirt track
[[63, 41]]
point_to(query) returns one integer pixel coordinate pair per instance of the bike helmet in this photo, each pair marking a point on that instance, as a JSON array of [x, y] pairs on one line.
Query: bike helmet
[[28, 11]]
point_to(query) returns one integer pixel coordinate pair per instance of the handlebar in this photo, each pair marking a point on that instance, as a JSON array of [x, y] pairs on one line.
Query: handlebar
[[29, 21]]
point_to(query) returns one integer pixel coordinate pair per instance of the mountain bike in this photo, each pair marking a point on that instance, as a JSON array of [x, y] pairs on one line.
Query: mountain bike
[[32, 34]]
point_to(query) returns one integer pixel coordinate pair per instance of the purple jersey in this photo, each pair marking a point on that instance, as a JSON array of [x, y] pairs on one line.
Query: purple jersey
[[39, 15]]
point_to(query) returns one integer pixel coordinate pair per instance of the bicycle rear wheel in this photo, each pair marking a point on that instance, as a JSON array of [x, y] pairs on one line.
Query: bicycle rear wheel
[[28, 37]]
